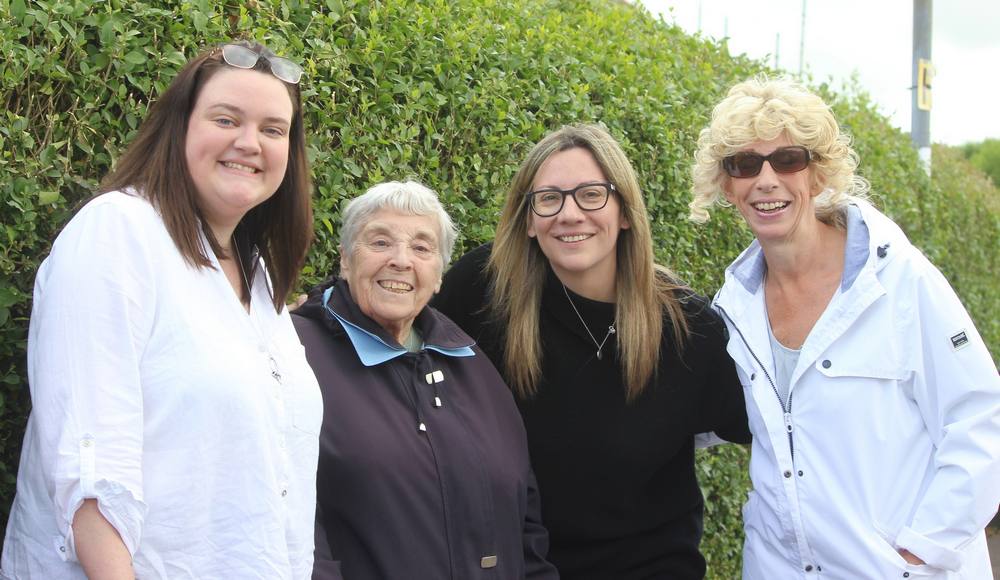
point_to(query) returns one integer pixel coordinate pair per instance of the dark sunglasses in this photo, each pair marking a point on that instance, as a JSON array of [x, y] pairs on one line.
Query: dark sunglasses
[[242, 57], [783, 160]]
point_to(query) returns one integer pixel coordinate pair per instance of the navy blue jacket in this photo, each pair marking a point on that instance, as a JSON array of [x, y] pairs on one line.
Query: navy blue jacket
[[423, 466]]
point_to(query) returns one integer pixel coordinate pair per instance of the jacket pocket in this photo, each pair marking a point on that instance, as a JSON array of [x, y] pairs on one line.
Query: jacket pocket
[[896, 561], [848, 365]]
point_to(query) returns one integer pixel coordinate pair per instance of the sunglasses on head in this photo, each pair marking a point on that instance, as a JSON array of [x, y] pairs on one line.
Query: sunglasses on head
[[783, 160], [240, 56]]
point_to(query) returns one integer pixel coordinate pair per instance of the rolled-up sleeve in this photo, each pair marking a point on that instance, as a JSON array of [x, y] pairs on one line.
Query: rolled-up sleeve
[[93, 309]]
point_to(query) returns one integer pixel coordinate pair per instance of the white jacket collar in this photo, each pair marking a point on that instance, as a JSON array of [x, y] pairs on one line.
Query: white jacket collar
[[872, 241]]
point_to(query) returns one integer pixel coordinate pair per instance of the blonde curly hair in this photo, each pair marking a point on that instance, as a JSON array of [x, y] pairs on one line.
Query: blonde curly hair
[[762, 109]]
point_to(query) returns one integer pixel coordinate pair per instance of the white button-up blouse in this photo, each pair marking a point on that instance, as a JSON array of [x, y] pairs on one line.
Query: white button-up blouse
[[193, 424]]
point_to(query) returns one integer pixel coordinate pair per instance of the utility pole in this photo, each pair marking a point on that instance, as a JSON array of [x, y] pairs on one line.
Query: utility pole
[[777, 51], [802, 39], [923, 72]]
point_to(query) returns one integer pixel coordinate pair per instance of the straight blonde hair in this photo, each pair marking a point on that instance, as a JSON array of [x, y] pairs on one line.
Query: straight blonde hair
[[517, 271]]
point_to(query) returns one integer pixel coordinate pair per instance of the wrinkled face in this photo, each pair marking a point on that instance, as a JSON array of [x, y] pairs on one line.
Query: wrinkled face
[[394, 268], [237, 143], [776, 206], [580, 245]]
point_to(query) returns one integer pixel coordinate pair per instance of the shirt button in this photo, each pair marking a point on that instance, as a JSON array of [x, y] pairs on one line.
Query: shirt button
[[788, 474], [800, 473], [284, 492], [906, 574], [753, 376], [809, 568], [827, 363], [62, 548]]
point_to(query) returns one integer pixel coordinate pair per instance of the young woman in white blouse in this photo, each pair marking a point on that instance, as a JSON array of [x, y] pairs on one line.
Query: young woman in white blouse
[[174, 424]]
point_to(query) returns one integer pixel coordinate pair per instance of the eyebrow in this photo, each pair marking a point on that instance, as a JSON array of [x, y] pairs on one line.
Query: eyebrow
[[581, 184], [378, 228], [233, 109]]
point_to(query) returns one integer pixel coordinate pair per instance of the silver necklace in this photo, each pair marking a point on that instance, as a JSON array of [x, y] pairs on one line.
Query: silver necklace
[[239, 264], [611, 329], [275, 373]]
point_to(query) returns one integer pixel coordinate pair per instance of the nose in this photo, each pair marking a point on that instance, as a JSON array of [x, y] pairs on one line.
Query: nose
[[767, 179], [570, 211], [401, 258], [248, 139]]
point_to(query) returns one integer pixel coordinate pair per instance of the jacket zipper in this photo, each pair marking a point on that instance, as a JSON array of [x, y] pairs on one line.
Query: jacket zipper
[[786, 410]]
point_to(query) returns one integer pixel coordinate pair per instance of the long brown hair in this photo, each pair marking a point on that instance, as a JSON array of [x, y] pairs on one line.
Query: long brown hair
[[517, 267], [155, 165]]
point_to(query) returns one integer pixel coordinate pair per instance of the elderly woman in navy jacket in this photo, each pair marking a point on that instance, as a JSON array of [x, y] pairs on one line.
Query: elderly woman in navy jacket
[[423, 468]]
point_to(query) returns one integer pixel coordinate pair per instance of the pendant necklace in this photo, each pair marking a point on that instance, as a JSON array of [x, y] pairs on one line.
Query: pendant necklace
[[275, 373], [611, 328]]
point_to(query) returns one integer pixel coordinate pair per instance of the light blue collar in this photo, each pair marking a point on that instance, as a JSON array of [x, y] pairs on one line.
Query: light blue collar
[[856, 250], [372, 350]]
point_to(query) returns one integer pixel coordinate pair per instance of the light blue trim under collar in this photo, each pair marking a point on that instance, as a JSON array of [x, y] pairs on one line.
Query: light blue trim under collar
[[372, 350], [856, 249]]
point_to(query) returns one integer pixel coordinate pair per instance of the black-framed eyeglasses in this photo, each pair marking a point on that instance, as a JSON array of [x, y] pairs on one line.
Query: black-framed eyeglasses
[[243, 57], [548, 201], [783, 160]]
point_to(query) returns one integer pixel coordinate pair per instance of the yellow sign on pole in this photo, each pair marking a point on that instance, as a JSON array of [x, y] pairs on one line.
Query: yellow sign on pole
[[925, 76]]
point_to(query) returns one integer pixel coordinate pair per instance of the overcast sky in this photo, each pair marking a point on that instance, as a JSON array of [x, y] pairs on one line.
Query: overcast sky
[[874, 39]]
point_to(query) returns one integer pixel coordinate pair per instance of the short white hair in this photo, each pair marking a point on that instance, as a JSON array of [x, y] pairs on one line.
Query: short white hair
[[408, 197]]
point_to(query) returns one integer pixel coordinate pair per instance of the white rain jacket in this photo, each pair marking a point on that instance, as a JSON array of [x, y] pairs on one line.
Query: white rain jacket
[[891, 434]]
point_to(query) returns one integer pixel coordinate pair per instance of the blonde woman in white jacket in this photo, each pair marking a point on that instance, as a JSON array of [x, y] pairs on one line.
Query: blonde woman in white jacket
[[873, 401]]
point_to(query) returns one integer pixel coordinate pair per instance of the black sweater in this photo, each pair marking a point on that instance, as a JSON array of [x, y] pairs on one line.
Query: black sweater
[[620, 497]]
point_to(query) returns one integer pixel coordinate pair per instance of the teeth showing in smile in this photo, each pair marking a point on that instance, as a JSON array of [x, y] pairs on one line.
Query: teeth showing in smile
[[239, 167], [395, 286], [770, 205], [574, 238]]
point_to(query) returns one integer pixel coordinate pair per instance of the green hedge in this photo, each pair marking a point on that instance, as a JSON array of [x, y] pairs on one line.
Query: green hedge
[[452, 92]]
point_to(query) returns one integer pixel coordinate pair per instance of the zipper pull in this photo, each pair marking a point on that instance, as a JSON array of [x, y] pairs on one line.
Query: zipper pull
[[788, 422]]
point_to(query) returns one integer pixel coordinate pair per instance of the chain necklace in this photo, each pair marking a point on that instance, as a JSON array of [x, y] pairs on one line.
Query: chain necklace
[[611, 328], [275, 373], [239, 264]]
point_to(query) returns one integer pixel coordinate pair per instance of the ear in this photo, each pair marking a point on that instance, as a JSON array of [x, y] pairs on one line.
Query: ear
[[727, 189], [818, 180], [345, 259], [531, 226], [625, 224]]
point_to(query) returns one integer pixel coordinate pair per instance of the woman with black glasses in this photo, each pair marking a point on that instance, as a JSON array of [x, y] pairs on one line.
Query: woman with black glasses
[[615, 364], [874, 403], [174, 422]]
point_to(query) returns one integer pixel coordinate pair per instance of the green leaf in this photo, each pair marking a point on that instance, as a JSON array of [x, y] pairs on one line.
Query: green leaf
[[47, 197], [17, 9], [107, 33], [135, 57]]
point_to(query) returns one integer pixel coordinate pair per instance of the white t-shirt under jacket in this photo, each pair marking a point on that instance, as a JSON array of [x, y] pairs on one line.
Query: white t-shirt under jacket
[[193, 423]]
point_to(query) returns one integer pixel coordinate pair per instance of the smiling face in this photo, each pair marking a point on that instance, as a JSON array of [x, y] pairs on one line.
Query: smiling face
[[776, 206], [237, 144], [394, 268], [580, 245]]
